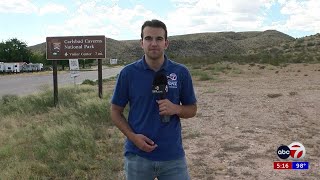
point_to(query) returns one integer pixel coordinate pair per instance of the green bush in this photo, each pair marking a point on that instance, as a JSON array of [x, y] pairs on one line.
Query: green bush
[[89, 82]]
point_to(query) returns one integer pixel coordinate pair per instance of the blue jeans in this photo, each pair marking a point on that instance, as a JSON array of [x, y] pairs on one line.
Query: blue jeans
[[138, 168]]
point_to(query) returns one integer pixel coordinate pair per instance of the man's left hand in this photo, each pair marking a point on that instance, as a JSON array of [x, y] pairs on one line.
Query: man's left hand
[[167, 108]]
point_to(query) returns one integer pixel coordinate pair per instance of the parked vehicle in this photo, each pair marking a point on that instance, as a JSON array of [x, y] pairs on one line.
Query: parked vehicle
[[1, 67], [8, 67], [32, 67], [17, 67]]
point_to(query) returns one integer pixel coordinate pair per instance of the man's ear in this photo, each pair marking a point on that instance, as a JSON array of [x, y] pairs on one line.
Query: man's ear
[[141, 43], [166, 44]]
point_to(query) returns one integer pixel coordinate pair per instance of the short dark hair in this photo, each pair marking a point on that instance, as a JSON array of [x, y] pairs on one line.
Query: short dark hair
[[157, 24]]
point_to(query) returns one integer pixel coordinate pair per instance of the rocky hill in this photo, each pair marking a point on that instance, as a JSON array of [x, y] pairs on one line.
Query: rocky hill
[[214, 44], [211, 44]]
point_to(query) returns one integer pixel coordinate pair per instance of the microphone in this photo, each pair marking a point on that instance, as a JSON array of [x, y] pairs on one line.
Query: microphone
[[160, 87]]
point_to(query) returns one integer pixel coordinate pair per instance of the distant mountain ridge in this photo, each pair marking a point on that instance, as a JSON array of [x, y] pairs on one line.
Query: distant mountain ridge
[[201, 44]]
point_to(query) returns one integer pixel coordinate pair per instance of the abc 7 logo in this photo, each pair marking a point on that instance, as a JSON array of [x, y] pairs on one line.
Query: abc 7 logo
[[295, 151]]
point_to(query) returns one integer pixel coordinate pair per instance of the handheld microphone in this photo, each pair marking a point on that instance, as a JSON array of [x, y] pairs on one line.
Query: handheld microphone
[[160, 87]]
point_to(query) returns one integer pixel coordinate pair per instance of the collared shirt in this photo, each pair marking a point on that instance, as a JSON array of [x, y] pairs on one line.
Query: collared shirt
[[134, 86]]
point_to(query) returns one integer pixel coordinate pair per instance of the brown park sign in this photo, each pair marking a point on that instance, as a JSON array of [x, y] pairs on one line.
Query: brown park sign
[[76, 47]]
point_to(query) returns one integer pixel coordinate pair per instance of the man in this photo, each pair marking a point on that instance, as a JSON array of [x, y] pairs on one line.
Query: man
[[153, 148]]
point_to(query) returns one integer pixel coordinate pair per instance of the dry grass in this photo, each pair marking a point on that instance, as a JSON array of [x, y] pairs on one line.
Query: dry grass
[[234, 136], [73, 141]]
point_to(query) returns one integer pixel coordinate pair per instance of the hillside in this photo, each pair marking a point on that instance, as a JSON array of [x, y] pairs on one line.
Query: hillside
[[215, 44], [300, 50]]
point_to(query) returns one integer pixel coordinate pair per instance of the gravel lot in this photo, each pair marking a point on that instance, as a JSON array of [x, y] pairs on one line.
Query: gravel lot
[[27, 83], [243, 118]]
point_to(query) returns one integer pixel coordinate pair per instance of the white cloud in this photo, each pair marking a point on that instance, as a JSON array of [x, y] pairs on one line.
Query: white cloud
[[100, 18], [302, 15], [217, 15], [17, 6], [281, 2], [292, 7], [268, 3], [194, 16], [36, 39], [184, 3], [52, 8]]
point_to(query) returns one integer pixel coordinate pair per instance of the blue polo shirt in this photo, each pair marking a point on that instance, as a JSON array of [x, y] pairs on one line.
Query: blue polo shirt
[[134, 86]]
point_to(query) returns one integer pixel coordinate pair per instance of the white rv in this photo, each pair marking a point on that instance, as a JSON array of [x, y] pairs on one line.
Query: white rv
[[32, 67], [39, 66], [1, 67], [15, 67], [8, 67]]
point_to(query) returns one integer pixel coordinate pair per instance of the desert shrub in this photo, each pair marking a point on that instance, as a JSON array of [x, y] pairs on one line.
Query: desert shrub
[[310, 44], [299, 41], [89, 82]]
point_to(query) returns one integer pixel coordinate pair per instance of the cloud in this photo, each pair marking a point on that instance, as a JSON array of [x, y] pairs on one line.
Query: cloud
[[36, 39], [302, 15], [184, 3], [193, 16], [102, 18], [27, 7], [52, 8], [17, 6]]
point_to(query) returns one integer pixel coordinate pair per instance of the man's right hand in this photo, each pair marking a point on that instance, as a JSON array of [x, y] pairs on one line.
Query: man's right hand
[[144, 143]]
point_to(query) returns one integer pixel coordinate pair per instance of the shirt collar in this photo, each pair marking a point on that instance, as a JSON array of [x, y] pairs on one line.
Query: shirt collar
[[164, 66]]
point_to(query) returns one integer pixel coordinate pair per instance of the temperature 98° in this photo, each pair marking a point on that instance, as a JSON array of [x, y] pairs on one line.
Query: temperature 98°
[[300, 165]]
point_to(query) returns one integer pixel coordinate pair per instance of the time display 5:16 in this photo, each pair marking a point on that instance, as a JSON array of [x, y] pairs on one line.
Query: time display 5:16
[[282, 165]]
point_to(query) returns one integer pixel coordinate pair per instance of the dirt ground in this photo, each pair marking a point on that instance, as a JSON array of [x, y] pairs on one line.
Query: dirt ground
[[243, 118]]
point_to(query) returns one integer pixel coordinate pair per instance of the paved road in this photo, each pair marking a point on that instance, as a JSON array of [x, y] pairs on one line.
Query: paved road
[[24, 84]]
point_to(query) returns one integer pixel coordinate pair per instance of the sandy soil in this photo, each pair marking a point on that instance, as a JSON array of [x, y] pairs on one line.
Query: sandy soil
[[243, 118]]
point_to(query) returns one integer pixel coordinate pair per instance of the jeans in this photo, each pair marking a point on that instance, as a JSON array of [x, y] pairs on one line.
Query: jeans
[[138, 168]]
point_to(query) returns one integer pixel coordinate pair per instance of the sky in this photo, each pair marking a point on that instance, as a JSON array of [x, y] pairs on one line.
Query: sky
[[31, 21]]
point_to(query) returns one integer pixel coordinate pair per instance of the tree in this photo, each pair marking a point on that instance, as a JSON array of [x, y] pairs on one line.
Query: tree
[[39, 58], [85, 61], [14, 50]]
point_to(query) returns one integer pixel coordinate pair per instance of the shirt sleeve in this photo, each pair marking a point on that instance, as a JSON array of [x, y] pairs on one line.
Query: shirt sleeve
[[187, 91], [120, 95]]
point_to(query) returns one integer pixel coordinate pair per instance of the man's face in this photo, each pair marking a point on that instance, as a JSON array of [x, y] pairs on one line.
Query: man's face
[[153, 42]]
